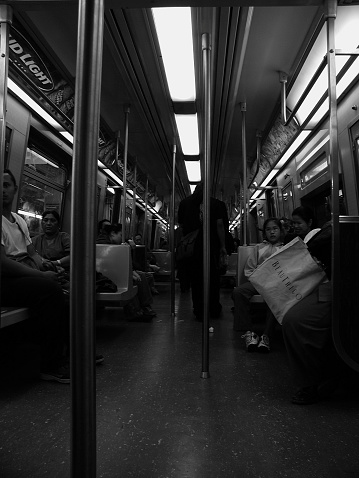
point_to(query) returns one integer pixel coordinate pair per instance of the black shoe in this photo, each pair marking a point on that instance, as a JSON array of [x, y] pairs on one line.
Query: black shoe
[[148, 311], [306, 396], [99, 359], [60, 374], [142, 318]]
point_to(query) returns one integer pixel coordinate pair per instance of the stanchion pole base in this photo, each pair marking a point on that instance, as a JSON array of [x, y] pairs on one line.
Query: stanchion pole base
[[205, 375]]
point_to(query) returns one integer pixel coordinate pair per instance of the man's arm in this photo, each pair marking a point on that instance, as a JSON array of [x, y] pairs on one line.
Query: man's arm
[[221, 236], [12, 268]]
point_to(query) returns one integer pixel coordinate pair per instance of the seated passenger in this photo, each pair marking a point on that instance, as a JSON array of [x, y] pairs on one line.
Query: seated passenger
[[303, 220], [23, 286], [101, 229], [151, 266], [307, 331], [54, 248], [113, 235], [273, 233], [52, 244]]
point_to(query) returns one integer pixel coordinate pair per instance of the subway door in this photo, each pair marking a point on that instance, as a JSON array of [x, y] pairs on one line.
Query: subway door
[[346, 297]]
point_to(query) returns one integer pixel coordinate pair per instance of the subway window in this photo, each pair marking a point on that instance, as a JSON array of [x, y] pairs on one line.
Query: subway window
[[42, 187]]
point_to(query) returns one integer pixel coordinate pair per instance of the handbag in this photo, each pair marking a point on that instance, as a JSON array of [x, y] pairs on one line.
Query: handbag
[[286, 277], [104, 284], [185, 247]]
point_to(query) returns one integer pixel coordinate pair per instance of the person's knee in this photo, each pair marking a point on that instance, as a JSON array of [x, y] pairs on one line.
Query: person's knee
[[51, 290]]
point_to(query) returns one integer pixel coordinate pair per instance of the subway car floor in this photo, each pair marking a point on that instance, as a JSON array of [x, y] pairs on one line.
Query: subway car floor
[[156, 416]]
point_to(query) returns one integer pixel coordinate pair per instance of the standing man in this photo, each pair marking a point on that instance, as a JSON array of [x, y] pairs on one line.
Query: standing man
[[190, 218], [23, 286]]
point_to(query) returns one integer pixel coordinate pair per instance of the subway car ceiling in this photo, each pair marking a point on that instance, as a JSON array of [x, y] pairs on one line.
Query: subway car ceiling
[[255, 49]]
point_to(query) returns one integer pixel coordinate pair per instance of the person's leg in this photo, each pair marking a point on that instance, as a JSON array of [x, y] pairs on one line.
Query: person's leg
[[45, 299], [241, 297], [144, 294], [264, 342], [270, 324], [306, 333], [150, 279], [151, 282], [215, 306], [195, 272]]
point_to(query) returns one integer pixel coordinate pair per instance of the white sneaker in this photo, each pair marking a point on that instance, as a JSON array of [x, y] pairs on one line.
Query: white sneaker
[[251, 340], [263, 345]]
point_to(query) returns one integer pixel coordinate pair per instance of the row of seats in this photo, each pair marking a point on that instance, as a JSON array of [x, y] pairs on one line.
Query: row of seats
[[114, 262]]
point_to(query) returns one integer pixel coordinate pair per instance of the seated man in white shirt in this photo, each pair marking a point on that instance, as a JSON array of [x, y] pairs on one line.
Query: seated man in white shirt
[[24, 286]]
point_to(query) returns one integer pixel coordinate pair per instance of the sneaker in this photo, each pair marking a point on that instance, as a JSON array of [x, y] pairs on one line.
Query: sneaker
[[99, 359], [263, 345], [252, 340], [61, 375], [306, 396], [148, 311]]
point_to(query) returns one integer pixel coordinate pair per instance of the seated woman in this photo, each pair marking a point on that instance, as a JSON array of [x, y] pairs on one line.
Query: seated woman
[[273, 233], [54, 248], [53, 245], [150, 266], [303, 220], [112, 234], [307, 331]]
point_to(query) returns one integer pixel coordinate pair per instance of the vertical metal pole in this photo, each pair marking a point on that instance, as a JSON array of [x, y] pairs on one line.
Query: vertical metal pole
[[5, 22], [245, 188], [283, 78], [172, 228], [331, 12], [206, 53], [133, 216], [118, 146], [145, 221], [124, 178], [82, 295], [241, 203], [116, 212]]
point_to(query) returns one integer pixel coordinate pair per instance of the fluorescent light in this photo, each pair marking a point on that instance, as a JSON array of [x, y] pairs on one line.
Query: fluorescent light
[[32, 104], [111, 190], [193, 171], [68, 136], [32, 157], [113, 176], [256, 194], [30, 214], [269, 178], [296, 143], [100, 165], [349, 76], [38, 109], [192, 187], [312, 153], [174, 31], [346, 39], [188, 132]]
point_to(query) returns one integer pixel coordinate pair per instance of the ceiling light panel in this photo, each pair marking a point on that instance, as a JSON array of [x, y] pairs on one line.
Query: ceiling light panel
[[174, 32]]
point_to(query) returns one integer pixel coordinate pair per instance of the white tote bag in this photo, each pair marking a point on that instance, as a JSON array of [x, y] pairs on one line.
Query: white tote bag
[[286, 277]]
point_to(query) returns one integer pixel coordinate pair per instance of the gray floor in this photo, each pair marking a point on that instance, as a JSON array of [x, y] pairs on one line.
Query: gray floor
[[156, 416]]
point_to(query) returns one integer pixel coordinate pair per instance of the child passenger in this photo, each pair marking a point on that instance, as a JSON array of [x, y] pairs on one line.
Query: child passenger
[[273, 240]]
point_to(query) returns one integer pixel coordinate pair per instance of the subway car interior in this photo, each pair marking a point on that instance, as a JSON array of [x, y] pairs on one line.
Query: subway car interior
[[116, 111]]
